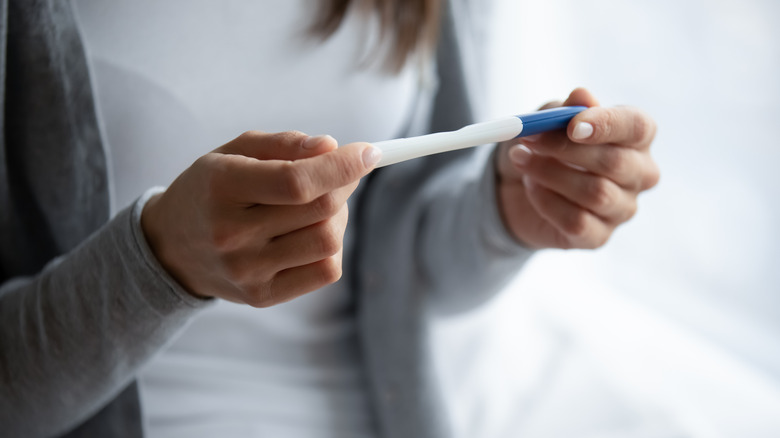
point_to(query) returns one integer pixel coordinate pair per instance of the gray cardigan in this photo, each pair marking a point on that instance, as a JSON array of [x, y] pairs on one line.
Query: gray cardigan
[[84, 303]]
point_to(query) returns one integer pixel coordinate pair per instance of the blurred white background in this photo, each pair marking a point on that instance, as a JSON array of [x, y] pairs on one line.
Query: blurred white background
[[673, 328]]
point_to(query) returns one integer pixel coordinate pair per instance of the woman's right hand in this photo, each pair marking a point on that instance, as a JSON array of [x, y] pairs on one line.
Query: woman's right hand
[[260, 220]]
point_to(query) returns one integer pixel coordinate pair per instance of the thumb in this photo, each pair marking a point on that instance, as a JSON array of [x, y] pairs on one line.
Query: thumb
[[287, 146]]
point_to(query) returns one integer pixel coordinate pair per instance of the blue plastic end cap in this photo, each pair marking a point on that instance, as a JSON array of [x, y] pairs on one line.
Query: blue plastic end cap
[[548, 120]]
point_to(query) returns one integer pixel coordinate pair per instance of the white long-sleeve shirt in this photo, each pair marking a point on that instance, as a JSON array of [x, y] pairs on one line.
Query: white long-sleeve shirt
[[175, 79]]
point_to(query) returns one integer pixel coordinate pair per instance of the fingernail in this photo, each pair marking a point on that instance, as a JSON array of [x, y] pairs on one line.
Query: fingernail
[[582, 131], [313, 142], [371, 156], [520, 155]]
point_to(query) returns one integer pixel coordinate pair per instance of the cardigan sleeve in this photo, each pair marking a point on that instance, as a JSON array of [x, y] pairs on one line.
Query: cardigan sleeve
[[73, 336]]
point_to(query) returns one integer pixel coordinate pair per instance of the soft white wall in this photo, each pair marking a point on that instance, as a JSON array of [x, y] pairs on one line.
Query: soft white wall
[[674, 327]]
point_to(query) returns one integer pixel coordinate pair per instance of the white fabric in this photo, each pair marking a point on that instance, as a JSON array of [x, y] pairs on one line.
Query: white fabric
[[175, 79]]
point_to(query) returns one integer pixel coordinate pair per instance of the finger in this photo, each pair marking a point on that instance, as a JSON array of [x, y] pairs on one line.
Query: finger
[[518, 151], [515, 159], [278, 220], [624, 126], [510, 158], [289, 145], [551, 104], [261, 223], [299, 182], [579, 227], [599, 195], [308, 245], [549, 142], [626, 167], [581, 97], [292, 283]]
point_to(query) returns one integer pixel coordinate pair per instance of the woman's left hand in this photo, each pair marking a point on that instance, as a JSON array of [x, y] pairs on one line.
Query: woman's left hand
[[572, 189]]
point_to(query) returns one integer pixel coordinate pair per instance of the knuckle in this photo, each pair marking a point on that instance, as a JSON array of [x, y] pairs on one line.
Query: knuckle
[[259, 300], [262, 295], [212, 171], [602, 240], [252, 136], [239, 272], [326, 206], [564, 241], [630, 211], [265, 265], [343, 214], [591, 241], [599, 193], [223, 238], [350, 166], [330, 270], [251, 276], [237, 275], [288, 137], [576, 224], [295, 184], [596, 241], [644, 128], [613, 160], [241, 280], [652, 177], [328, 239], [640, 129], [603, 129]]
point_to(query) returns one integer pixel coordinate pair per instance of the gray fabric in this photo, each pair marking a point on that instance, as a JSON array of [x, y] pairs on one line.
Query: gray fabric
[[445, 250], [74, 331], [74, 335], [48, 106], [38, 221]]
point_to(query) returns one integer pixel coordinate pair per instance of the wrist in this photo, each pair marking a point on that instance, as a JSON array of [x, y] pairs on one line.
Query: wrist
[[154, 230]]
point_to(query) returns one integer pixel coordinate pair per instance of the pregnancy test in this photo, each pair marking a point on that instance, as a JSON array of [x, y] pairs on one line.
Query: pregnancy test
[[402, 149]]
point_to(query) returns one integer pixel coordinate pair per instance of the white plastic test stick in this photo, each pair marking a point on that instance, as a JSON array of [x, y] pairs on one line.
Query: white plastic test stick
[[402, 149]]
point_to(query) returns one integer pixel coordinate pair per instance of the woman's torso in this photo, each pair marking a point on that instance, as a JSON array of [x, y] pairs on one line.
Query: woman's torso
[[175, 79]]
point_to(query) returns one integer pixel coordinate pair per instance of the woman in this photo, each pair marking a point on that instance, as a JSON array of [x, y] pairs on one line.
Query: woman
[[262, 220]]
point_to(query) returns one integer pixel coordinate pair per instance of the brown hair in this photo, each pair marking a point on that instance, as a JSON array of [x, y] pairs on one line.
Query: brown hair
[[409, 24]]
